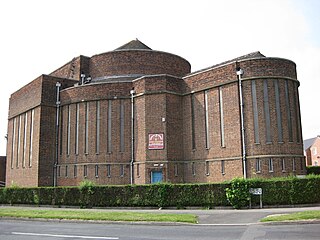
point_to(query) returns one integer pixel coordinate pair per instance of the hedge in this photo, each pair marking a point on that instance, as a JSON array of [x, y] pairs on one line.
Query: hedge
[[313, 170], [276, 191]]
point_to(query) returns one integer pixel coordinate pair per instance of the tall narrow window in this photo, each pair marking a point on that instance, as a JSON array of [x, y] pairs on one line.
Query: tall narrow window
[[283, 165], [278, 110], [66, 173], [121, 125], [85, 170], [108, 170], [59, 171], [25, 140], [266, 111], [109, 126], [207, 168], [293, 164], [221, 118], [96, 171], [68, 130], [223, 170], [75, 172], [97, 127], [288, 108], [13, 154], [31, 137], [270, 165], [258, 165], [77, 129], [193, 136], [61, 129], [176, 170], [121, 170], [86, 131], [193, 169], [206, 112], [19, 142], [138, 169], [296, 111], [255, 111]]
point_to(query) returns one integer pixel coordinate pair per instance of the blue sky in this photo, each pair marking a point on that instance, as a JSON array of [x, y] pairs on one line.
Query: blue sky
[[40, 36]]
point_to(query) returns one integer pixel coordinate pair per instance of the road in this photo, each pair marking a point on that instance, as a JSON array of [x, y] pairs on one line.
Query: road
[[53, 230]]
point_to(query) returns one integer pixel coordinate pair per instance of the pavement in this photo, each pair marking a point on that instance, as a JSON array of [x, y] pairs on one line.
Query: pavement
[[217, 217]]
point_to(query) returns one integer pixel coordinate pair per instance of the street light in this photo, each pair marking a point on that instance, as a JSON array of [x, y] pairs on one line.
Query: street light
[[240, 72]]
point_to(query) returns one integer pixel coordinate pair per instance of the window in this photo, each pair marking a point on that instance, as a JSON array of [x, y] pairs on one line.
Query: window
[[122, 125], [13, 142], [68, 130], [270, 165], [255, 111], [207, 168], [193, 169], [193, 136], [59, 171], [288, 108], [206, 112], [96, 171], [77, 130], [258, 165], [31, 138], [75, 171], [85, 171], [293, 164], [97, 127], [283, 165], [221, 118], [223, 170], [109, 131], [278, 111], [66, 173], [314, 151], [86, 133], [25, 140], [176, 170], [121, 170], [108, 170], [19, 140], [138, 169], [267, 111]]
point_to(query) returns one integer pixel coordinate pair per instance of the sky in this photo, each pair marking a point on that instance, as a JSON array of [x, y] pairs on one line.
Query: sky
[[39, 36]]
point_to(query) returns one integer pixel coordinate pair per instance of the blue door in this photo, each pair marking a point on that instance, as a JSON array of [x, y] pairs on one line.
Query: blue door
[[156, 176]]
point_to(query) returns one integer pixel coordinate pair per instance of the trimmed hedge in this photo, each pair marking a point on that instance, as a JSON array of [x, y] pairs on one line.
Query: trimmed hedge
[[313, 170], [276, 191]]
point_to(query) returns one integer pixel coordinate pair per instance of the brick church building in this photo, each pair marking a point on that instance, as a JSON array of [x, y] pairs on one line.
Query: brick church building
[[137, 116]]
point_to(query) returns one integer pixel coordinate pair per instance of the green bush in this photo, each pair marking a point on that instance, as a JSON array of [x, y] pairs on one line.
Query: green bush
[[313, 170], [276, 191]]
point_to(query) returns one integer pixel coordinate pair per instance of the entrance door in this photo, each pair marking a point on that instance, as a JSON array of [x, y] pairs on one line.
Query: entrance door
[[156, 176]]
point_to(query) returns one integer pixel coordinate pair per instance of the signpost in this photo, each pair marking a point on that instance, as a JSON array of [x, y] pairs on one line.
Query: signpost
[[256, 191]]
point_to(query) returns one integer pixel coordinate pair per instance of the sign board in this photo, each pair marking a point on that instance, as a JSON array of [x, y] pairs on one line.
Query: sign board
[[255, 191], [156, 141]]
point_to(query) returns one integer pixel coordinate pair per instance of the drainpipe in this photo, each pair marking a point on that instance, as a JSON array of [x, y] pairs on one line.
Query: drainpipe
[[58, 85], [132, 92], [240, 72]]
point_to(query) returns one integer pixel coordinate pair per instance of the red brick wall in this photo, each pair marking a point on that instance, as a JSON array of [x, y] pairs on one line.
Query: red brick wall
[[2, 169]]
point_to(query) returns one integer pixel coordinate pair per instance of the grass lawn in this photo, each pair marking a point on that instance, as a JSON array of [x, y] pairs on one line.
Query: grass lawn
[[306, 215], [87, 214]]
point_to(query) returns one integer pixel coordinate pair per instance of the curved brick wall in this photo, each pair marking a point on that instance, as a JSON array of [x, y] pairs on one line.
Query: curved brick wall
[[146, 62]]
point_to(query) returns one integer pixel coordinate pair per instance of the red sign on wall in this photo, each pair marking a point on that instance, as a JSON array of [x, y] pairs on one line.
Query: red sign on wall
[[156, 141]]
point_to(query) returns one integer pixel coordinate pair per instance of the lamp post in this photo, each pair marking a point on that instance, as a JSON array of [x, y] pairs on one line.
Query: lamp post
[[132, 92], [240, 72]]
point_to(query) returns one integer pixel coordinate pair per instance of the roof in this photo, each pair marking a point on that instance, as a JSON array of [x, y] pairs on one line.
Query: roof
[[134, 45], [247, 56], [309, 142]]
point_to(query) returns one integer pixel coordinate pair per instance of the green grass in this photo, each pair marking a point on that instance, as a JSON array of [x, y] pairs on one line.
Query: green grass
[[85, 214], [306, 215]]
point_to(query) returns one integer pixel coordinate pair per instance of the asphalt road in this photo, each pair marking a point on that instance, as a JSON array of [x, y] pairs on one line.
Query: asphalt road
[[36, 230]]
